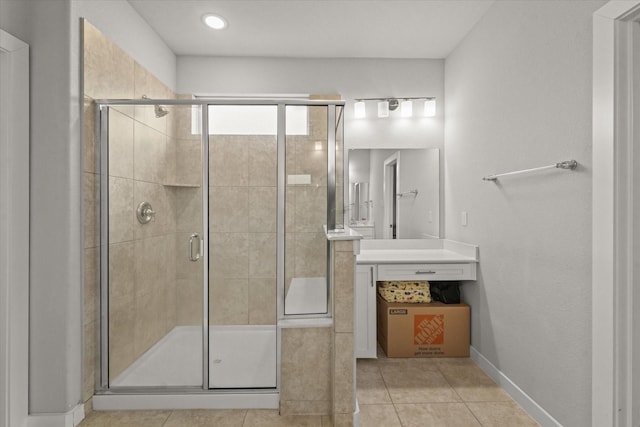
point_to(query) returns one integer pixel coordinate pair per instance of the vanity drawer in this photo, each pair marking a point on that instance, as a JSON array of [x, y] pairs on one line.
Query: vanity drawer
[[456, 271]]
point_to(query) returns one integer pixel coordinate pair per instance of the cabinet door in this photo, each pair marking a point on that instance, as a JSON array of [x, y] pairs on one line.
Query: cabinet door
[[365, 307]]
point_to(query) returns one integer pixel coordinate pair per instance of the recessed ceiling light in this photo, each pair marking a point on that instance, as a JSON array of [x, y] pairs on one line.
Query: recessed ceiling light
[[216, 22]]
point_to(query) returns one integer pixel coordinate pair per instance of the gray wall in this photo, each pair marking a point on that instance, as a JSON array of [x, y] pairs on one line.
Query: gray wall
[[51, 28], [55, 241], [519, 95]]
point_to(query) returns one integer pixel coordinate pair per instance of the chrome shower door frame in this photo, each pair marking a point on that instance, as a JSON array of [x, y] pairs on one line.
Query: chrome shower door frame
[[102, 137]]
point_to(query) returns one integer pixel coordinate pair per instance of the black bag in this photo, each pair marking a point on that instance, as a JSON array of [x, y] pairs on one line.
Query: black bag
[[446, 292]]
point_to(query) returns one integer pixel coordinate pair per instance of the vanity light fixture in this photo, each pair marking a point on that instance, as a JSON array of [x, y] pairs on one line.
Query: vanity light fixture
[[383, 109], [359, 111], [386, 105], [214, 21], [430, 107], [406, 108]]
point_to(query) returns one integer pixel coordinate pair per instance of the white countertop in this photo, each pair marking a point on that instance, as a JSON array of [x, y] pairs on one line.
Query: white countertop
[[345, 233], [362, 225], [395, 256], [414, 251]]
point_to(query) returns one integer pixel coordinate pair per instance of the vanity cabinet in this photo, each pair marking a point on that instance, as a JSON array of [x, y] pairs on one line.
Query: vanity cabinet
[[365, 311], [420, 259], [452, 271]]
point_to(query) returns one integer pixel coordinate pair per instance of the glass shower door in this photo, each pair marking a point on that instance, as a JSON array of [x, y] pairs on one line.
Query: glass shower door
[[306, 286], [153, 298], [200, 202], [243, 201]]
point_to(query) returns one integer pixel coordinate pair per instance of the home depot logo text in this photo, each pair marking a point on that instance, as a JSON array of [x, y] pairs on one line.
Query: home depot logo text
[[428, 329]]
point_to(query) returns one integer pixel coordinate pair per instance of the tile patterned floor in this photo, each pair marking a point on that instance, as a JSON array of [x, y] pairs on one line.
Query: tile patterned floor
[[433, 393], [201, 418], [391, 393]]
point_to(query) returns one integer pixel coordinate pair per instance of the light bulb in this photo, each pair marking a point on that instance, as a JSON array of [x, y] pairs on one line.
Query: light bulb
[[406, 108], [359, 111], [430, 108], [383, 109], [214, 21]]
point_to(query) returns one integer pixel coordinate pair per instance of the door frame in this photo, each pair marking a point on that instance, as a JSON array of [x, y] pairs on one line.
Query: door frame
[[615, 328], [14, 231], [389, 192]]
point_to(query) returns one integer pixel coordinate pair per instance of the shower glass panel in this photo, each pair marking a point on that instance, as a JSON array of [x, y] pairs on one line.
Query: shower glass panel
[[211, 219], [243, 208], [339, 168], [306, 286], [151, 165]]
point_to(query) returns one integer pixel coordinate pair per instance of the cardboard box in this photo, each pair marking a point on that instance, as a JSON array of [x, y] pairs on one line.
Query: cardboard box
[[423, 330]]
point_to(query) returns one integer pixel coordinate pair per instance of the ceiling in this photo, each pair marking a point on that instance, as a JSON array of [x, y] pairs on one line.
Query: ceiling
[[315, 28]]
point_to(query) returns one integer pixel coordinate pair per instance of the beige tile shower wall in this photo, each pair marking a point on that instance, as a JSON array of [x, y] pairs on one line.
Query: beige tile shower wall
[[343, 360], [143, 258], [242, 225], [306, 371], [306, 205]]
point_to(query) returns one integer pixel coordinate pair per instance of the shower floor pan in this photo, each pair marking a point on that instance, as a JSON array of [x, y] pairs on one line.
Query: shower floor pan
[[241, 356]]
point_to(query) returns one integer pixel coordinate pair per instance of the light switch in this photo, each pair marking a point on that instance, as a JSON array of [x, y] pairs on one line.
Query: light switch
[[430, 216], [464, 218]]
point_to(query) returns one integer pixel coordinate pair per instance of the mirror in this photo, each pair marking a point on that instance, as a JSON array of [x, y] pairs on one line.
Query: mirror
[[394, 193]]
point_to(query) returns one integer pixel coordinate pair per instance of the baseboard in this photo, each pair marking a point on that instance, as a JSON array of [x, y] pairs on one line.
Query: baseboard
[[528, 404], [114, 402], [68, 419]]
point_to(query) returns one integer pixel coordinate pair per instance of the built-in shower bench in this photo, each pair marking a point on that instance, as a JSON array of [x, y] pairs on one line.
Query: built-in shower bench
[[318, 376]]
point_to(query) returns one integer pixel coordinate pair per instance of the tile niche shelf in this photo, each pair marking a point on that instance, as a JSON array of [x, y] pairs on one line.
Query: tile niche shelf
[[180, 185]]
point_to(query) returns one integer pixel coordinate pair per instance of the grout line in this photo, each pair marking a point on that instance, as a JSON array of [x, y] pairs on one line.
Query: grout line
[[461, 399], [244, 418], [395, 408], [167, 419], [449, 383], [386, 388], [472, 413]]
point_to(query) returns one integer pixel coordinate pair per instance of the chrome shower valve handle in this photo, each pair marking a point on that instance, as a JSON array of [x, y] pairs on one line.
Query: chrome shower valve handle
[[145, 213]]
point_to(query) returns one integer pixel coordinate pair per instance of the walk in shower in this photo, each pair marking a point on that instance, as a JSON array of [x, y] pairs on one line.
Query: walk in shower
[[211, 222]]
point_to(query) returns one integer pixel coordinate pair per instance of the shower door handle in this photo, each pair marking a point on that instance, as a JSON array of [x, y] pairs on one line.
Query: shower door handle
[[195, 238]]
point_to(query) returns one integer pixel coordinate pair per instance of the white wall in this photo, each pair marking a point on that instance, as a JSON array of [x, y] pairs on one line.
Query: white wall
[[120, 22], [519, 95], [14, 226], [418, 170], [351, 78]]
